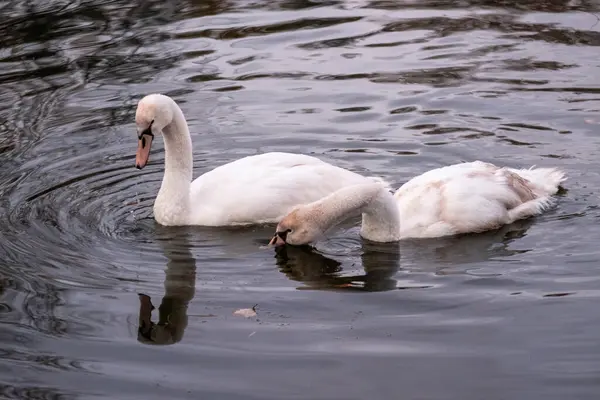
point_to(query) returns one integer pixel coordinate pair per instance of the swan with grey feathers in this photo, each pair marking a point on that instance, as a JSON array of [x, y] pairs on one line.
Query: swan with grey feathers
[[460, 198]]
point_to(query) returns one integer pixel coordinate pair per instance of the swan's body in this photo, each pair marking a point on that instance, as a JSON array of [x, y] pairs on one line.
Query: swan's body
[[264, 188], [461, 198], [254, 189]]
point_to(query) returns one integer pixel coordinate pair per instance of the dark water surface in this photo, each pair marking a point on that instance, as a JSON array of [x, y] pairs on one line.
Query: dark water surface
[[390, 88]]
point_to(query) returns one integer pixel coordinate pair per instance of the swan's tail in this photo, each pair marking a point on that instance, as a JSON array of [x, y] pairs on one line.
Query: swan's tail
[[546, 181], [530, 208]]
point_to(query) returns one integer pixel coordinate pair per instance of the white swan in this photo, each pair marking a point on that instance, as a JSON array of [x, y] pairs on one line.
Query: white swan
[[255, 189], [460, 198]]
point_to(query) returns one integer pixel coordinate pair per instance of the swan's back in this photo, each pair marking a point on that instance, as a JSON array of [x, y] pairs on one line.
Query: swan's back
[[265, 187], [473, 197]]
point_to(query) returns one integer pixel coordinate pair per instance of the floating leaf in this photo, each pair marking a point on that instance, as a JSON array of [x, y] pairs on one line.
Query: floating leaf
[[246, 312]]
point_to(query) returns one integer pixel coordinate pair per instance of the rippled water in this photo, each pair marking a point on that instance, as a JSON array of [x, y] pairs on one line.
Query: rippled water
[[390, 88]]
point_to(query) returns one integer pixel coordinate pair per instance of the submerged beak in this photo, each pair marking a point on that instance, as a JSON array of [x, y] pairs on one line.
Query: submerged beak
[[277, 241], [143, 150]]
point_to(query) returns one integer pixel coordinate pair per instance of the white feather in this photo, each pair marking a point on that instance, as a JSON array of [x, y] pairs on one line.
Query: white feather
[[473, 197], [264, 188]]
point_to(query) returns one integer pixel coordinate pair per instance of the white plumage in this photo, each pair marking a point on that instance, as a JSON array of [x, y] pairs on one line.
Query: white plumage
[[264, 188], [254, 189], [461, 198]]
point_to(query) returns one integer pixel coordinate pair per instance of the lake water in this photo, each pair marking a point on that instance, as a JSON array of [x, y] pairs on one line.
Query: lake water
[[382, 87]]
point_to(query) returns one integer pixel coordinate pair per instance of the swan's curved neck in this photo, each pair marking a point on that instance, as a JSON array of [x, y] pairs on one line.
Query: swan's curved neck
[[380, 214], [381, 219], [172, 202]]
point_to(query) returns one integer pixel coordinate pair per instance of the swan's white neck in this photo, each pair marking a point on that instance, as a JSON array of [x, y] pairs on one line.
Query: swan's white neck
[[172, 203]]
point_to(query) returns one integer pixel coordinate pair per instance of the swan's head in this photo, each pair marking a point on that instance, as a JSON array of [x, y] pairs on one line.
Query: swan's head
[[298, 228], [154, 112]]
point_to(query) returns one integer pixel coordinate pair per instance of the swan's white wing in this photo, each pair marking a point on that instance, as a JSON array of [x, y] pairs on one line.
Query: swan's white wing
[[472, 197], [264, 188]]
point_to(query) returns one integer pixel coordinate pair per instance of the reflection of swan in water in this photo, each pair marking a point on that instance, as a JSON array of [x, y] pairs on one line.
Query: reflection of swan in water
[[466, 249], [381, 261], [180, 287]]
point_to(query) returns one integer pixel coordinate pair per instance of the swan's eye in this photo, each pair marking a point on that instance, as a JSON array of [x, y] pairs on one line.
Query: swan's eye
[[147, 131]]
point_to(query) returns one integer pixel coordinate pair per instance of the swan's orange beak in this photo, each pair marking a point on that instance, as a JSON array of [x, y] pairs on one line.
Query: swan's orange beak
[[277, 241], [143, 151]]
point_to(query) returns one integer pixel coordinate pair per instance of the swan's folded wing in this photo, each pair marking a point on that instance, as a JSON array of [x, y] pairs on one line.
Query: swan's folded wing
[[263, 188], [468, 197]]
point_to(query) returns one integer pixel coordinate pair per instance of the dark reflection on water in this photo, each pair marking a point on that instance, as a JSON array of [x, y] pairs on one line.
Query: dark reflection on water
[[180, 286], [97, 301], [380, 263]]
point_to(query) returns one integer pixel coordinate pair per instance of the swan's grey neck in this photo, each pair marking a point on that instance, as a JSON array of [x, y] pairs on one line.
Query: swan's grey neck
[[381, 219], [172, 202], [380, 214]]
